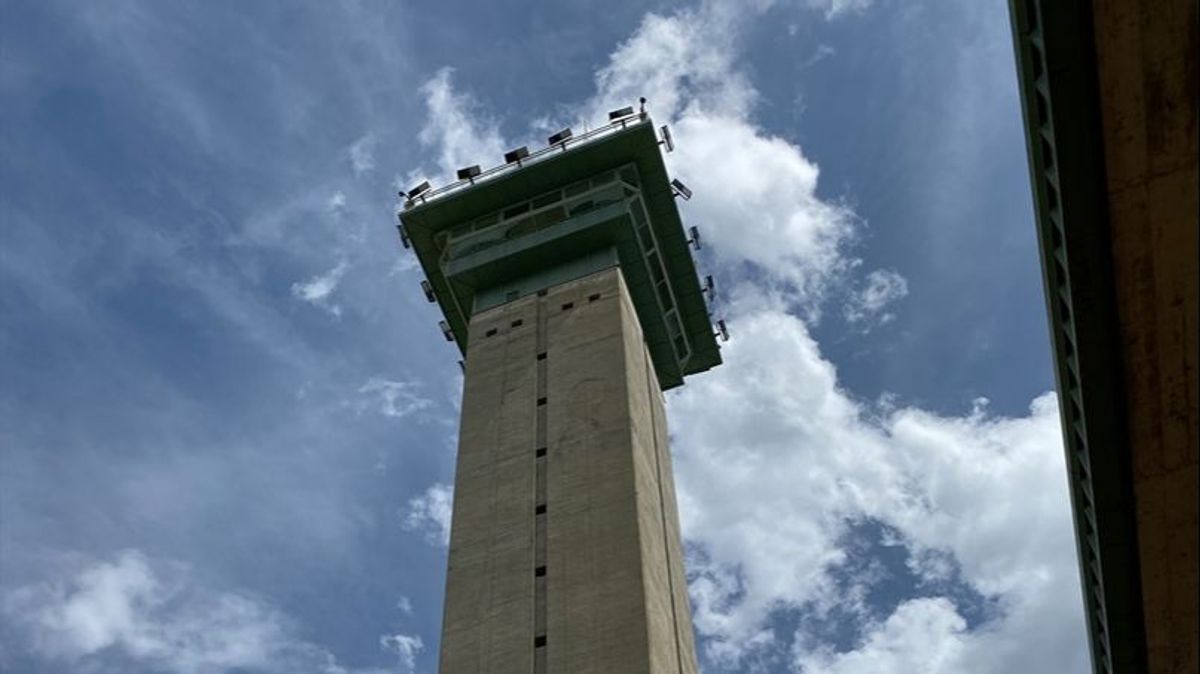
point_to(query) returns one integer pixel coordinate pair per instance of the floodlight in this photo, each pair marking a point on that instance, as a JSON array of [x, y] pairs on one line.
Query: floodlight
[[446, 331], [516, 155], [428, 290], [681, 190], [722, 331], [709, 286], [403, 237], [418, 190], [469, 172], [666, 138], [695, 234], [559, 137], [618, 114]]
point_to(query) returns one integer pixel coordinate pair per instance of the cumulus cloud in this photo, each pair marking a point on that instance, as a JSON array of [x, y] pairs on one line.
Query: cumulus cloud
[[153, 613], [776, 461], [756, 196], [756, 201], [316, 291], [429, 514], [868, 306], [922, 635]]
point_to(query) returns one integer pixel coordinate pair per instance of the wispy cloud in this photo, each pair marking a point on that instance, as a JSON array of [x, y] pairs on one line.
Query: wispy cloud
[[390, 398], [405, 647], [456, 128], [867, 307], [317, 290], [838, 8], [362, 154]]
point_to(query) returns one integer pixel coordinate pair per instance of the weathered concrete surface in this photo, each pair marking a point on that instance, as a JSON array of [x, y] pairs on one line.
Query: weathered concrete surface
[[1146, 56], [614, 595]]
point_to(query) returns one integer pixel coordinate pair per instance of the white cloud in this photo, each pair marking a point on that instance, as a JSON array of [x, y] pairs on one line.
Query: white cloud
[[393, 398], [756, 196], [405, 647], [756, 203], [922, 635], [429, 514], [405, 605], [455, 128], [683, 63], [868, 306], [775, 461], [316, 291], [337, 201], [836, 8], [362, 154], [153, 613]]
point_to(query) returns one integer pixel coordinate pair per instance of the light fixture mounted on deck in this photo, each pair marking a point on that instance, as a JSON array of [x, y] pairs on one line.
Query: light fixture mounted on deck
[[680, 189], [515, 156], [560, 138], [666, 141], [722, 331]]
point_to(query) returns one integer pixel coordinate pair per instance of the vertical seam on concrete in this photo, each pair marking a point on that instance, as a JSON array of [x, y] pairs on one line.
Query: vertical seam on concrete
[[662, 511], [541, 522]]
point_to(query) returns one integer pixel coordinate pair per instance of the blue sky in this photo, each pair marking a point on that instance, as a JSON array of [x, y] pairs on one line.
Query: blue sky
[[228, 418]]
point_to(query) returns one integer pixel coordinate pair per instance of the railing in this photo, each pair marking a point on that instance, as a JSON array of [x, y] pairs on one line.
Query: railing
[[425, 197]]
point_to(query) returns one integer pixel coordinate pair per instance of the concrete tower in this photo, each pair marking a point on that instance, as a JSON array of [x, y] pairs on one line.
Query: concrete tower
[[565, 277]]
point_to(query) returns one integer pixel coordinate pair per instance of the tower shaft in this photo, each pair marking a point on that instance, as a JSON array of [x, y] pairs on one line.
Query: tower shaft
[[565, 550]]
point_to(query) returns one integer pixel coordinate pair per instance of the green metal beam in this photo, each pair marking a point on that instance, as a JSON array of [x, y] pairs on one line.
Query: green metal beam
[[1061, 108]]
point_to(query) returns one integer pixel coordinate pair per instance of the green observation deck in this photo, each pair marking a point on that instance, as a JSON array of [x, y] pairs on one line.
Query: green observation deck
[[599, 200]]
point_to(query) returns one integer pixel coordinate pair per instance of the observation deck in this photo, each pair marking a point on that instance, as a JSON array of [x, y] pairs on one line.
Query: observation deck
[[583, 204]]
